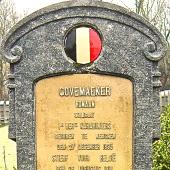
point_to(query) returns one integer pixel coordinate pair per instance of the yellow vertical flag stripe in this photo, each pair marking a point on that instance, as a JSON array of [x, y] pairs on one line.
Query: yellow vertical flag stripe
[[83, 45]]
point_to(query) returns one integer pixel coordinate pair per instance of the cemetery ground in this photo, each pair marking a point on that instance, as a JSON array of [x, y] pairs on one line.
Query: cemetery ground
[[7, 149]]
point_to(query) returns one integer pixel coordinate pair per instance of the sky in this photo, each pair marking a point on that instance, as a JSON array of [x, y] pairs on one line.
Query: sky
[[30, 6]]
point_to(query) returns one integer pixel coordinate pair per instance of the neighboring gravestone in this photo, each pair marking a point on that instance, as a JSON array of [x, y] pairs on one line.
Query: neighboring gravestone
[[83, 88]]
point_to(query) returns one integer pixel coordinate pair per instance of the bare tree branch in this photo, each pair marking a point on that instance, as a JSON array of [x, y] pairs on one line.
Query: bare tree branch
[[8, 18], [155, 11]]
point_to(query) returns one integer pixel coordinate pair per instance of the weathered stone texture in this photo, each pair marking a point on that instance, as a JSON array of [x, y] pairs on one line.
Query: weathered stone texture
[[131, 49]]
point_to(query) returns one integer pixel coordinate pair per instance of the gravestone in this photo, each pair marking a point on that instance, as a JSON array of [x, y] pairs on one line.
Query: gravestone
[[84, 88]]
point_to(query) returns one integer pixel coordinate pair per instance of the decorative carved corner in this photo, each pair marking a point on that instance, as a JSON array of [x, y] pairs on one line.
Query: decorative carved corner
[[151, 52], [14, 55]]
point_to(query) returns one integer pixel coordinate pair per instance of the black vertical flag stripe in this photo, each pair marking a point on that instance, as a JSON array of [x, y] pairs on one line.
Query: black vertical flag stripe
[[70, 45]]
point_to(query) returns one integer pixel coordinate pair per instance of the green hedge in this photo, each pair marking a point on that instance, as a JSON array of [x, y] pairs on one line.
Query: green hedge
[[161, 148]]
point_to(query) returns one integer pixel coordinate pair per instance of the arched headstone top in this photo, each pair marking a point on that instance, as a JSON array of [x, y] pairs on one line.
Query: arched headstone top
[[154, 49], [91, 58]]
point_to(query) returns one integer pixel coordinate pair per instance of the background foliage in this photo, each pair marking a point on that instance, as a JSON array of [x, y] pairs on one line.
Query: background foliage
[[161, 148], [8, 18]]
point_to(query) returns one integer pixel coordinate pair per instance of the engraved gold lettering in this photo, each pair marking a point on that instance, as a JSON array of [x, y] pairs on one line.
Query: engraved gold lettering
[[85, 104], [64, 136], [84, 91], [99, 126], [108, 167], [60, 167], [106, 136], [71, 147], [87, 125], [84, 115], [59, 158], [70, 126], [83, 158], [84, 136], [107, 146], [71, 168], [61, 147], [108, 158], [88, 147], [89, 168], [61, 92]]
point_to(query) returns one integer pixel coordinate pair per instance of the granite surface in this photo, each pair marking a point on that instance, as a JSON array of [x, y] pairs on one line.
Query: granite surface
[[132, 48]]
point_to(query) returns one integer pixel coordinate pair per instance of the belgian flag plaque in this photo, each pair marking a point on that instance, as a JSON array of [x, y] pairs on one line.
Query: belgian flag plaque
[[83, 44]]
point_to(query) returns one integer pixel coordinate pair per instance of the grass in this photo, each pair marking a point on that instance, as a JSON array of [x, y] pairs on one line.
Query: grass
[[2, 125], [9, 147]]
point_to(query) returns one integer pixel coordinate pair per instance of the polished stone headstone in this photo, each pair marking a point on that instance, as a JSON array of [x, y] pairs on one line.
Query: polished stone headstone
[[97, 113]]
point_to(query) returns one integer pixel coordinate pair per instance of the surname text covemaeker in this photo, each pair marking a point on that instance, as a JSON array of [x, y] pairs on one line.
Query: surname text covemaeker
[[84, 91]]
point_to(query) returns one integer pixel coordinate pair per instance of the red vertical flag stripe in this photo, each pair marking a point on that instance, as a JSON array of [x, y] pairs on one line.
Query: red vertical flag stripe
[[95, 45]]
